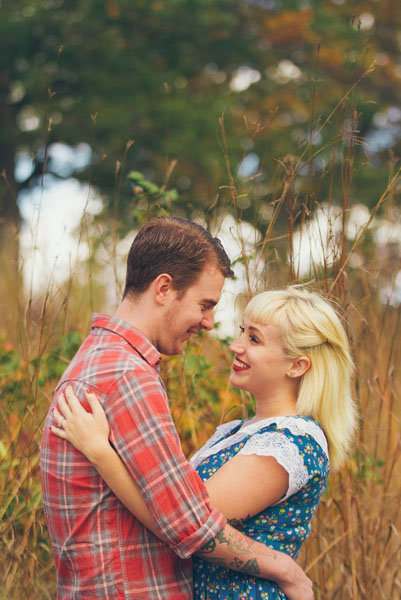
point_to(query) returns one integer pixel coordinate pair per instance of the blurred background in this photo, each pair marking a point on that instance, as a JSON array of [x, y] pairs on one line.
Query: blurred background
[[276, 124]]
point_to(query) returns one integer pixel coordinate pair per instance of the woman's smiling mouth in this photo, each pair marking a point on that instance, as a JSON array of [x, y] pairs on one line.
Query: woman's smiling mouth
[[239, 365]]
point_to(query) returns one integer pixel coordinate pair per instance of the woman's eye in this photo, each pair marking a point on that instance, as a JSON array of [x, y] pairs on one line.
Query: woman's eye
[[254, 339], [241, 329]]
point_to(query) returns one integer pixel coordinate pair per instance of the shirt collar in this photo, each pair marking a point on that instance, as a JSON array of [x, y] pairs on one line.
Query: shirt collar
[[133, 336]]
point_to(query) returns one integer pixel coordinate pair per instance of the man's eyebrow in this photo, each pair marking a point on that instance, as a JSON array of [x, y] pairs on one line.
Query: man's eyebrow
[[208, 302]]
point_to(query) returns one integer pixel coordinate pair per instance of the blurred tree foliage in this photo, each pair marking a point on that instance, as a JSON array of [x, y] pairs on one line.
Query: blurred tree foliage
[[105, 72]]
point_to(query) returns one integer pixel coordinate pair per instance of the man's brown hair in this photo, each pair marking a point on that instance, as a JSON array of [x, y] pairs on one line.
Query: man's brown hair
[[175, 246]]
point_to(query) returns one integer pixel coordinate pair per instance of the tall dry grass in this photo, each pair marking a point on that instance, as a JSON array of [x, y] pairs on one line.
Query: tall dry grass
[[354, 550]]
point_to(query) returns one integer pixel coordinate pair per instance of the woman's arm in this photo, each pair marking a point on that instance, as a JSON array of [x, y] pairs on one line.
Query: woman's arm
[[112, 469], [88, 432]]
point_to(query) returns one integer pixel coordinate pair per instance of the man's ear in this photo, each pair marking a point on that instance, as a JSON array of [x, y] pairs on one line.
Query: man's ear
[[163, 288], [299, 366]]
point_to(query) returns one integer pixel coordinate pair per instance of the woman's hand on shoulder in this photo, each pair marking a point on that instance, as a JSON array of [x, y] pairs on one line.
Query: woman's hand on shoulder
[[87, 431]]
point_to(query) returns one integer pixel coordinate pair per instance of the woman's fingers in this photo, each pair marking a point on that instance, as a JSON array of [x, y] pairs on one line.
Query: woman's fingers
[[86, 431], [64, 406], [59, 418], [58, 432], [73, 401], [100, 419], [93, 400]]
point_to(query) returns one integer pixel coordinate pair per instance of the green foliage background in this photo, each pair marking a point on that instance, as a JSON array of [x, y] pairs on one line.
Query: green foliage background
[[159, 73]]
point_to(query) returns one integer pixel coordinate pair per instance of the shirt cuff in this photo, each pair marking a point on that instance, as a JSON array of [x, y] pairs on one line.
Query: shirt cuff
[[207, 532]]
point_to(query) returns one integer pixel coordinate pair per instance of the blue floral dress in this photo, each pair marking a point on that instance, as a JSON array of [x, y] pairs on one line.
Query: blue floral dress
[[300, 447]]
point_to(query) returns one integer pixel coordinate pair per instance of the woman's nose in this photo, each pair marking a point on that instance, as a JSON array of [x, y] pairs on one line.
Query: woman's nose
[[236, 346]]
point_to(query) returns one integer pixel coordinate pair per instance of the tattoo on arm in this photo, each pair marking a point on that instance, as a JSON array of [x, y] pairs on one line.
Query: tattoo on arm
[[208, 547], [236, 564], [234, 540], [251, 567], [239, 545], [222, 538], [238, 523]]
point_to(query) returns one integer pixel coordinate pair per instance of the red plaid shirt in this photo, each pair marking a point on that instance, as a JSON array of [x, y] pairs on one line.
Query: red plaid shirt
[[100, 549]]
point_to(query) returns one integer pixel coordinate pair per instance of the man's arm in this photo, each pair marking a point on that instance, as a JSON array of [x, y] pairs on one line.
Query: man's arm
[[144, 436], [238, 552], [229, 547]]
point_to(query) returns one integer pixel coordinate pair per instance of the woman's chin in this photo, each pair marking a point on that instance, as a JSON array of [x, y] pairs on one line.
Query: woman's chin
[[235, 380]]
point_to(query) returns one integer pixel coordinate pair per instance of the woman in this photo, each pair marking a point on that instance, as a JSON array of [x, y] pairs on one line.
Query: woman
[[265, 474]]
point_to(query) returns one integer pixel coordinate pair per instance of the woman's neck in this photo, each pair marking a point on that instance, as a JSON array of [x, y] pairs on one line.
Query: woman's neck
[[279, 404]]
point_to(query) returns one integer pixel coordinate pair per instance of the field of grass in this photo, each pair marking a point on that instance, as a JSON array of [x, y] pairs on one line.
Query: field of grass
[[354, 551]]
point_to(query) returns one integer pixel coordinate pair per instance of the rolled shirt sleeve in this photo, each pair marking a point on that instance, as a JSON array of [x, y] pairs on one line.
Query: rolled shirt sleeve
[[143, 433]]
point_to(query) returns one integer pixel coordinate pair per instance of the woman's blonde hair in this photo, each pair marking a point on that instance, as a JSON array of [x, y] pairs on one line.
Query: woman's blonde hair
[[310, 327]]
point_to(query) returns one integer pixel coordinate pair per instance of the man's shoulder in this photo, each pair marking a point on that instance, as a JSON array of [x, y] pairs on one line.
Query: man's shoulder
[[103, 361]]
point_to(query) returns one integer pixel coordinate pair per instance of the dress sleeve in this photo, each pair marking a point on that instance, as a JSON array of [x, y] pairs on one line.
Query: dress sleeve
[[300, 455], [144, 436]]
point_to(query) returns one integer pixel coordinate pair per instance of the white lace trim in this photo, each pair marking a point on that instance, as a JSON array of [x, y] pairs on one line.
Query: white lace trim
[[268, 444], [286, 454], [221, 431], [296, 425]]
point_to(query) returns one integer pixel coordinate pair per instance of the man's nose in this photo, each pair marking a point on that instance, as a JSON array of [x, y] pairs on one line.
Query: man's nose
[[208, 320]]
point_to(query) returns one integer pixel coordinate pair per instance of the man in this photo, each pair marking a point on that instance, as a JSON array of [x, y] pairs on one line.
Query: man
[[175, 274]]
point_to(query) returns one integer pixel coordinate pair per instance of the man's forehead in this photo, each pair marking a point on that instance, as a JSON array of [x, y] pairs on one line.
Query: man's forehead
[[208, 286]]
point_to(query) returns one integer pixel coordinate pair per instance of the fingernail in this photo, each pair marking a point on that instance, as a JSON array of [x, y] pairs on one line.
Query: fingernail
[[88, 391]]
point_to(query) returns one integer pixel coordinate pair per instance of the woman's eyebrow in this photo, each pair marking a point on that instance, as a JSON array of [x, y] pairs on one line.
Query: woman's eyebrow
[[252, 328]]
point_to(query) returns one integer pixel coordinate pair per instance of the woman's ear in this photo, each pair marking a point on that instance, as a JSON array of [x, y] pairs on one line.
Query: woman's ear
[[299, 366]]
